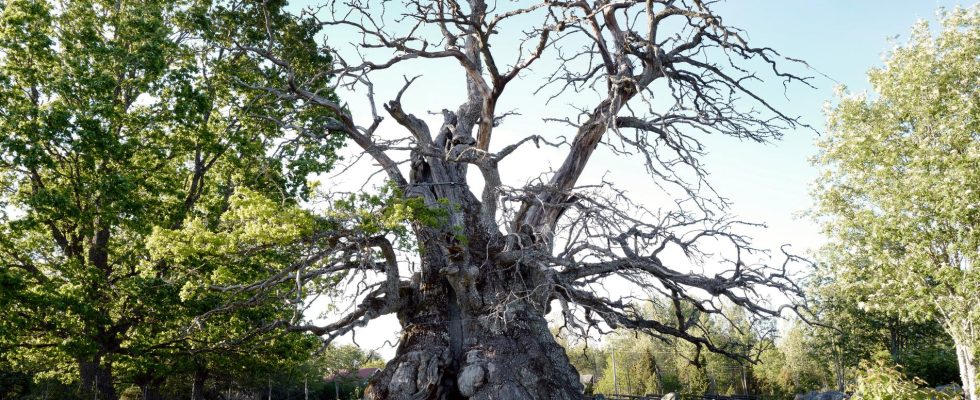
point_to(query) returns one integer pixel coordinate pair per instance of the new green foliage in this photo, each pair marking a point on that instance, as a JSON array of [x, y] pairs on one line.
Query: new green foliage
[[878, 380], [125, 120], [900, 188], [639, 364]]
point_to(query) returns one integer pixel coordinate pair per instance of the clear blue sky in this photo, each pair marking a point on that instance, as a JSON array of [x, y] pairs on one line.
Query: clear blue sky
[[839, 39]]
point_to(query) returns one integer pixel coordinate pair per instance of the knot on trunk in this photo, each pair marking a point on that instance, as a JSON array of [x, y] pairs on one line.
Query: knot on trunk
[[462, 278], [418, 374], [470, 379]]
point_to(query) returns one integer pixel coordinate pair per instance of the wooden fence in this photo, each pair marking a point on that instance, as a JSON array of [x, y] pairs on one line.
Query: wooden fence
[[685, 397]]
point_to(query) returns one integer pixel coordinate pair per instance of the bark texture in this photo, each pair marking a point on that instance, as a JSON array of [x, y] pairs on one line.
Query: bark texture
[[969, 366], [477, 356], [473, 327]]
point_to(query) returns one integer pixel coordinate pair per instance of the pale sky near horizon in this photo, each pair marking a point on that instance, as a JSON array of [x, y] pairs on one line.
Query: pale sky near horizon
[[767, 183]]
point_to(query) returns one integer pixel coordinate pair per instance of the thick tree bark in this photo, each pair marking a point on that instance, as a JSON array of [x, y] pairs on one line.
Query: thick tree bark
[[96, 379], [473, 325], [451, 351], [200, 378]]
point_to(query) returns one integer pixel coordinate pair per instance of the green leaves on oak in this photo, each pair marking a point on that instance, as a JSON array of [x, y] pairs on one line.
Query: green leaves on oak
[[126, 119]]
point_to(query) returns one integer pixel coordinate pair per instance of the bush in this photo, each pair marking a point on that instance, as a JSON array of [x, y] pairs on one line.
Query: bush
[[879, 380]]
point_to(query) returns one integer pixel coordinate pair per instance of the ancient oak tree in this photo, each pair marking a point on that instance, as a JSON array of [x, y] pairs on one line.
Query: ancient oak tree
[[486, 266]]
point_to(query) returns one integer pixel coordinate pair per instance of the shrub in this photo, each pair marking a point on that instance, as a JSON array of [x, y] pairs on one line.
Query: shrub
[[880, 380]]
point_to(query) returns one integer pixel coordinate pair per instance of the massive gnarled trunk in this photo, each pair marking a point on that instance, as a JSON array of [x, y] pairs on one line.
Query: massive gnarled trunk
[[451, 350], [473, 319], [486, 343]]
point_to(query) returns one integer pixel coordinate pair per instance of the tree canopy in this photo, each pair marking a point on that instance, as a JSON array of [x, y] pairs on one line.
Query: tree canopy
[[123, 119]]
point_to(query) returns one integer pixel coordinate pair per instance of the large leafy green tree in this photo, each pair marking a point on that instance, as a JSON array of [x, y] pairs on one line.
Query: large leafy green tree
[[119, 117], [901, 181]]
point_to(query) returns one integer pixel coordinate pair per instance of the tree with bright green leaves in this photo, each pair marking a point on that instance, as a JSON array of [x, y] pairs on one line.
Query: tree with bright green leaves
[[771, 377], [125, 118], [848, 334], [644, 364], [900, 187], [878, 380]]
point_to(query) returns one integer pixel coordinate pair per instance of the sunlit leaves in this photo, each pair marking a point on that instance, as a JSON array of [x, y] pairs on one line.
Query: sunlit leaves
[[129, 129], [387, 211], [899, 192], [878, 380]]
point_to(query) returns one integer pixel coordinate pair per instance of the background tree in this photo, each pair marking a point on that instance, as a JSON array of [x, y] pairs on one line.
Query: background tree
[[472, 298], [343, 363], [587, 357], [878, 380], [899, 189], [850, 334], [645, 364], [120, 117], [772, 378]]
